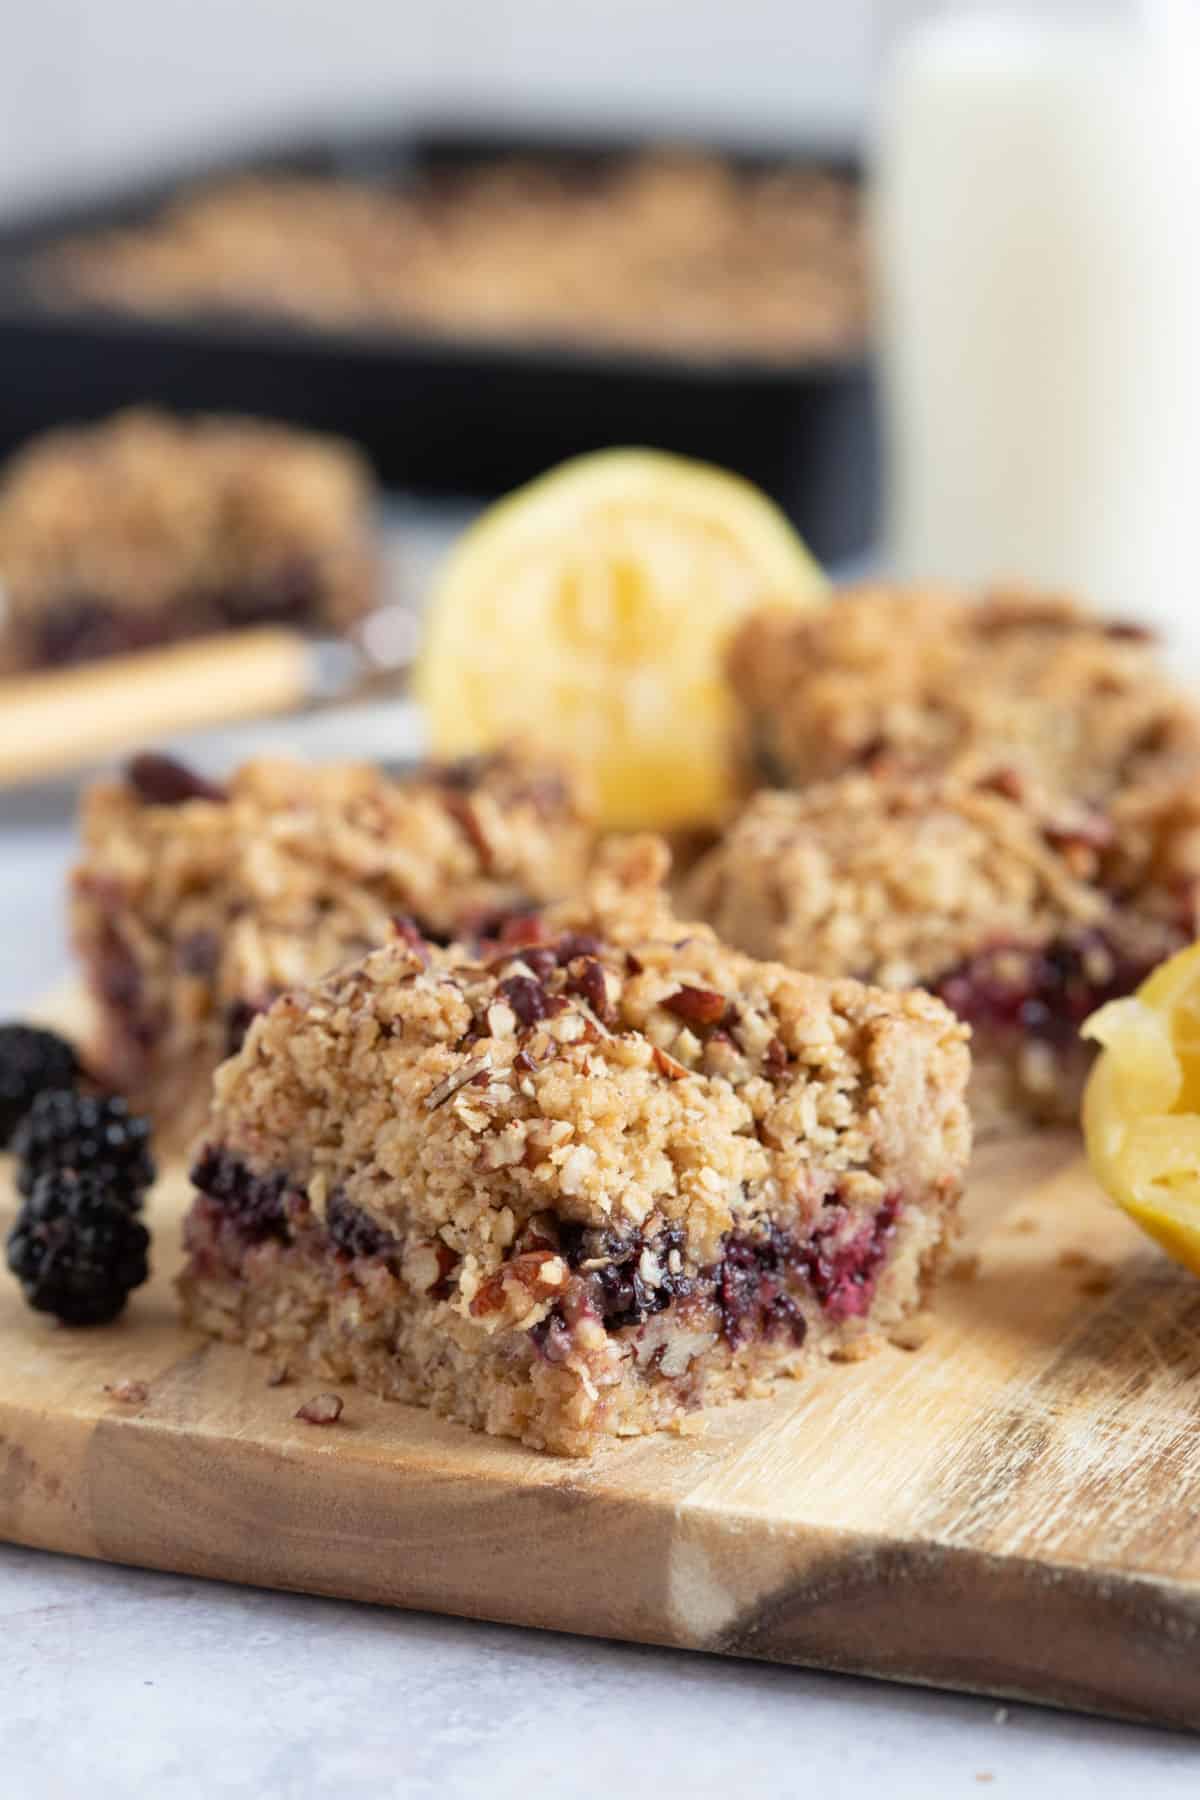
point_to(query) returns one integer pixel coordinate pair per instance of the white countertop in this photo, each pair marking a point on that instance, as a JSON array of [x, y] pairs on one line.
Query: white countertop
[[116, 1682]]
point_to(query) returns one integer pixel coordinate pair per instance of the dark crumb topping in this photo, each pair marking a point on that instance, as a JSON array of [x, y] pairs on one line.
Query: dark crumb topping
[[543, 976], [697, 1006], [587, 979], [545, 791], [529, 999], [463, 774], [409, 932]]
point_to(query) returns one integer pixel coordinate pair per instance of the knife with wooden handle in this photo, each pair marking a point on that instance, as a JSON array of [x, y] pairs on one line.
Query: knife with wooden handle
[[60, 720]]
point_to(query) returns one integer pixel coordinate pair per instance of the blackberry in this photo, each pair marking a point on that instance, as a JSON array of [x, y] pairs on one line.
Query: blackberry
[[76, 1250], [30, 1060], [86, 1132]]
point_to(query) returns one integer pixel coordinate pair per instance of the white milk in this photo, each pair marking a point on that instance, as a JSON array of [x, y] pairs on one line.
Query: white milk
[[1038, 231]]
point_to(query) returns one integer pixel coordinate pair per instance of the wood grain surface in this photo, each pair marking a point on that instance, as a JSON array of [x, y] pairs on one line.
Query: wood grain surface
[[1013, 1508]]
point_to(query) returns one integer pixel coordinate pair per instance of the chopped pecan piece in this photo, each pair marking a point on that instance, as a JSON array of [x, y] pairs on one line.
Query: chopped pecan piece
[[698, 1006]]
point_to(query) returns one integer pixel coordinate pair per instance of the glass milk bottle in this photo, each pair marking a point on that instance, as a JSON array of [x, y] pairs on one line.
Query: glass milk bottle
[[1037, 218]]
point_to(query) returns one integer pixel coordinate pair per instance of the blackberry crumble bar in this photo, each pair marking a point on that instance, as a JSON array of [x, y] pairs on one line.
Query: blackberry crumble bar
[[582, 1186], [925, 681], [1022, 912], [194, 905], [147, 529], [669, 252]]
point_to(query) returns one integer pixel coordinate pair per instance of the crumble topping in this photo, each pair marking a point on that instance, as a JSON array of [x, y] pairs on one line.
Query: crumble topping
[[193, 905], [661, 250], [1020, 910], [927, 680], [897, 878]]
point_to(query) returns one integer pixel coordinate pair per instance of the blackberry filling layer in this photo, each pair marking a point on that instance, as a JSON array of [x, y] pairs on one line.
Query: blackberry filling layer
[[755, 1289], [256, 1204], [81, 628], [354, 1233], [1041, 992]]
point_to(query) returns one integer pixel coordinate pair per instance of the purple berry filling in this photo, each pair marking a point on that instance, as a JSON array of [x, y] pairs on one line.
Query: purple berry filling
[[353, 1232], [754, 1287], [84, 627], [258, 1204], [1041, 993], [750, 1289], [616, 1289], [844, 1278], [238, 1019]]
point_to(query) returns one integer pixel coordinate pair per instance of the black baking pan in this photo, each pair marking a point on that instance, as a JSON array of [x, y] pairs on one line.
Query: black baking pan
[[435, 414]]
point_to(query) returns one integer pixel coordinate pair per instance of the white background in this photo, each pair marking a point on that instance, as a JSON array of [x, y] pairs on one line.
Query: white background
[[91, 87]]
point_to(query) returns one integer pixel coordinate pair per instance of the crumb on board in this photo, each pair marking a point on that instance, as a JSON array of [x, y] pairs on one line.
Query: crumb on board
[[278, 1375], [322, 1409], [964, 1268], [985, 1775], [914, 1333], [129, 1393], [1098, 1276], [1023, 1226], [857, 1350]]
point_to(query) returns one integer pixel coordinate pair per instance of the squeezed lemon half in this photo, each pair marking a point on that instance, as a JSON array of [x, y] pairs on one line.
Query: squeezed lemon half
[[1141, 1108], [590, 611]]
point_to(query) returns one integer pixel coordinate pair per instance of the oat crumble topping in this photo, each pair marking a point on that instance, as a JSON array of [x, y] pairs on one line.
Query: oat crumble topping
[[930, 680], [193, 906]]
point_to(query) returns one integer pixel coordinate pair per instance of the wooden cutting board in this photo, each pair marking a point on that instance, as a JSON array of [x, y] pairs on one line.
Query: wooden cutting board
[[1013, 1508]]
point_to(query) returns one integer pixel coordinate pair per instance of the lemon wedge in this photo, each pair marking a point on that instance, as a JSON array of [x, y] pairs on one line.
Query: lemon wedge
[[1141, 1107], [590, 611]]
